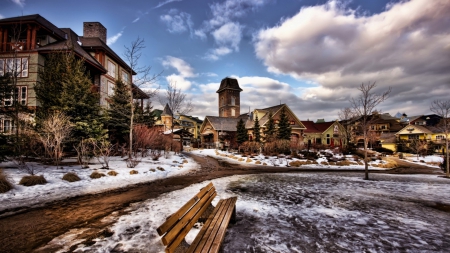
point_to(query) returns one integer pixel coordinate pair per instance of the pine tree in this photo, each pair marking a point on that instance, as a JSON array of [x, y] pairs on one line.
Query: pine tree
[[144, 115], [242, 135], [65, 86], [119, 113], [270, 129], [284, 128], [256, 130]]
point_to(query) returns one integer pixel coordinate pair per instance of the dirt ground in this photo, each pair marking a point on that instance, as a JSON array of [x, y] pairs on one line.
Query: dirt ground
[[28, 229]]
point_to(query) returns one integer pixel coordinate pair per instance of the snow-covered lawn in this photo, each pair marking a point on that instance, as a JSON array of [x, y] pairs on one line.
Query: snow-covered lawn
[[303, 213], [57, 189], [283, 161]]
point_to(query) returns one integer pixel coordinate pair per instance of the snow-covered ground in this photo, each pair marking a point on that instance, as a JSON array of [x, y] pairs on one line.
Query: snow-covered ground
[[57, 189], [302, 213]]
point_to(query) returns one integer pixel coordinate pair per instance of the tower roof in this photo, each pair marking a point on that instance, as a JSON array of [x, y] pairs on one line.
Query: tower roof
[[167, 111], [229, 83]]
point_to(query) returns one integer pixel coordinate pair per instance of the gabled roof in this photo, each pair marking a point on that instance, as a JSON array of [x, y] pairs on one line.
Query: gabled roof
[[97, 43], [275, 110], [222, 123], [312, 127], [229, 83], [167, 111], [71, 43], [38, 19], [417, 129]]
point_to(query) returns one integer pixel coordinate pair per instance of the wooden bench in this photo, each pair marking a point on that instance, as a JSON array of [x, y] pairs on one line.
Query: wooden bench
[[211, 236]]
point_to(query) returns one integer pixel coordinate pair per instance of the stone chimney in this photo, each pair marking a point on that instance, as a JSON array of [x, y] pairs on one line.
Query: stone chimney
[[94, 30]]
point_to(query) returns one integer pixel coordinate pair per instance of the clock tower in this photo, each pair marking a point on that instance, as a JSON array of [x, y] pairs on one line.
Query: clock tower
[[229, 98]]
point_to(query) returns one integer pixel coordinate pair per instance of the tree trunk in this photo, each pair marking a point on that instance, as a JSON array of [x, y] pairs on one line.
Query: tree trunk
[[446, 153], [366, 163]]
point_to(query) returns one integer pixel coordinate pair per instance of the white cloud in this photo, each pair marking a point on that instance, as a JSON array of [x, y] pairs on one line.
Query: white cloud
[[183, 68], [229, 34], [136, 20], [180, 81], [406, 47], [113, 39], [214, 54], [165, 2], [21, 3], [177, 22]]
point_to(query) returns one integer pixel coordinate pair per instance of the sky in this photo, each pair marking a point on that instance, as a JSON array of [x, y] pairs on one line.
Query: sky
[[309, 54]]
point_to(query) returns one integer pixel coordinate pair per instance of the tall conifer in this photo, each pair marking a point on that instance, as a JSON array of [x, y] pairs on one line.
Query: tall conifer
[[242, 135], [284, 127], [256, 130], [119, 113]]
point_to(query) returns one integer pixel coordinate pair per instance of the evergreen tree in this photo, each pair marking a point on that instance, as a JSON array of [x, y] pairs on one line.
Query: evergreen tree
[[144, 115], [65, 86], [119, 113], [284, 127], [270, 129], [242, 135], [256, 130]]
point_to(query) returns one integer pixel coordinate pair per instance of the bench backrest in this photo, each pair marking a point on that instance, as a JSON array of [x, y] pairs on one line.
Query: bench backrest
[[176, 227]]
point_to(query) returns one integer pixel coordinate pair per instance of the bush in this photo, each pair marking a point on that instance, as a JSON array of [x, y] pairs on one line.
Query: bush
[[249, 160], [5, 184], [32, 180], [71, 177], [400, 155], [152, 170], [112, 173], [258, 162], [384, 150], [134, 172], [185, 161], [160, 168], [296, 163], [96, 174]]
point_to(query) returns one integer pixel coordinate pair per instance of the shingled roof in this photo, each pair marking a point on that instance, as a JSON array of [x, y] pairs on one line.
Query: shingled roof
[[35, 18], [167, 111], [229, 83], [312, 127], [222, 123]]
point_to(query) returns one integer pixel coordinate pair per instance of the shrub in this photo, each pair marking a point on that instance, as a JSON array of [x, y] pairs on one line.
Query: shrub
[[112, 173], [96, 174], [5, 184], [258, 162], [324, 163], [343, 163], [400, 155], [185, 161], [133, 172], [249, 160], [160, 168], [71, 177], [241, 159], [152, 170], [297, 163], [264, 163], [32, 180]]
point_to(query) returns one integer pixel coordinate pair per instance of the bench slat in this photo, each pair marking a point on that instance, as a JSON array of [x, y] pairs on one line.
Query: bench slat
[[177, 215], [187, 217], [171, 248], [220, 235], [213, 232]]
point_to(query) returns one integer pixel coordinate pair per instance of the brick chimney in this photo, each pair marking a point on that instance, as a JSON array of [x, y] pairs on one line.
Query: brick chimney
[[94, 30]]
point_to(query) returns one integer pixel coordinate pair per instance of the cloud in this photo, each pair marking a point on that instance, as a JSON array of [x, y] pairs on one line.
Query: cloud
[[184, 71], [216, 53], [113, 39], [21, 3], [229, 10], [136, 20], [406, 47], [177, 22], [165, 2], [228, 34]]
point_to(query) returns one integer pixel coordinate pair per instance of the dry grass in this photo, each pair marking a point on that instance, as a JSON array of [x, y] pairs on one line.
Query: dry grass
[[324, 163], [96, 174], [112, 173], [297, 163], [258, 162], [152, 170], [32, 180], [160, 168], [249, 160], [185, 161], [71, 177], [133, 172], [344, 163], [5, 184], [241, 159], [388, 165], [180, 166]]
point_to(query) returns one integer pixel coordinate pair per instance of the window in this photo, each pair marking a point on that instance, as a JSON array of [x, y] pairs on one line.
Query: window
[[292, 122], [440, 137], [110, 88], [19, 95], [233, 101], [125, 77], [413, 137], [233, 112], [328, 139], [383, 127], [111, 69], [16, 66], [6, 125]]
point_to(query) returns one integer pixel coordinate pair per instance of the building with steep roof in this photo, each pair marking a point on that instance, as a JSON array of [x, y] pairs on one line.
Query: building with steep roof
[[25, 41], [324, 133]]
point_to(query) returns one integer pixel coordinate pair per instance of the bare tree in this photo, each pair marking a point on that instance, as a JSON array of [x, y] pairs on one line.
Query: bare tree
[[363, 106], [176, 100], [54, 131], [132, 55], [345, 115], [442, 108], [102, 151]]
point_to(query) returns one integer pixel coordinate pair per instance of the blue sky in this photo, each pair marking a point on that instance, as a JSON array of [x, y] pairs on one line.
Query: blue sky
[[309, 54]]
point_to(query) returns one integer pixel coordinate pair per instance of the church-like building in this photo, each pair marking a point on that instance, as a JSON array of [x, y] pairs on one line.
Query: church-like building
[[220, 131]]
